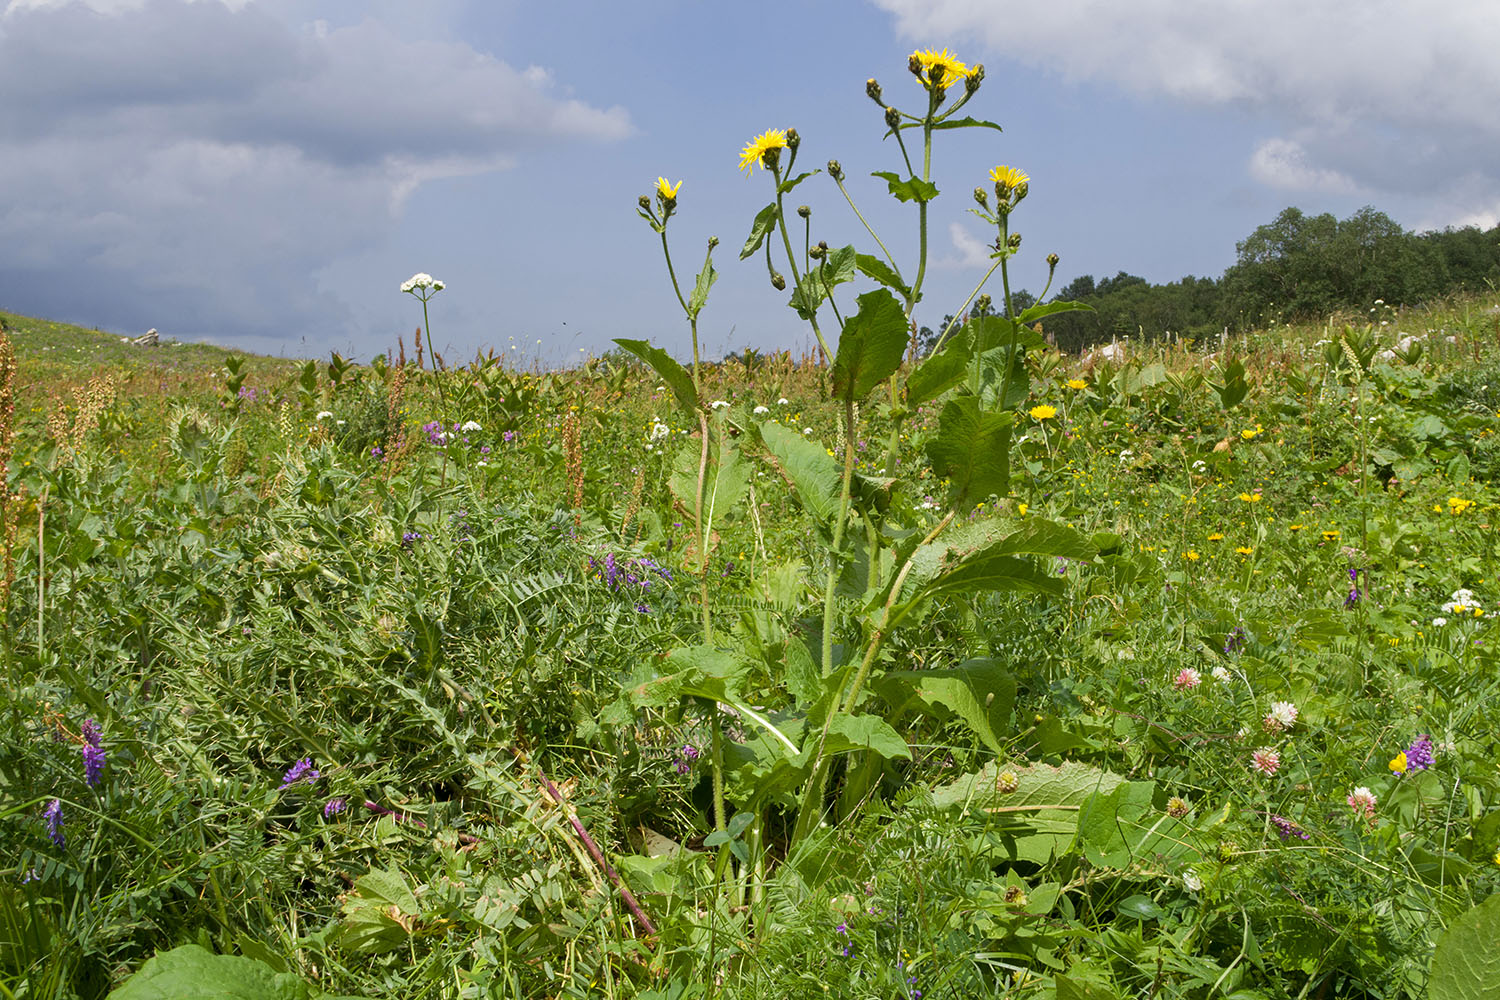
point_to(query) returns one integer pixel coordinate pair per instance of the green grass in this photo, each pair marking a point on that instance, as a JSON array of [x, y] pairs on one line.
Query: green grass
[[228, 586]]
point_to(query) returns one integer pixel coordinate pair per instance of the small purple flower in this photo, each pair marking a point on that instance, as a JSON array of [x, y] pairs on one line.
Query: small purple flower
[[685, 758], [484, 450], [302, 771], [93, 753], [410, 538], [248, 394], [508, 436], [435, 433], [333, 807], [1287, 829], [1419, 755], [1354, 592], [54, 817], [1235, 640], [376, 451]]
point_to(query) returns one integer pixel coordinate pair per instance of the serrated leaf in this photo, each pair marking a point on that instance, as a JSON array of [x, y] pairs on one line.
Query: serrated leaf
[[966, 123], [873, 267], [706, 279], [676, 376], [938, 372], [811, 470], [907, 188], [765, 219], [1466, 964], [730, 479], [972, 451], [871, 347], [978, 691], [192, 972]]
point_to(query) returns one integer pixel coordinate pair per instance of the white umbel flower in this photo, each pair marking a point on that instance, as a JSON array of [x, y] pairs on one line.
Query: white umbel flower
[[422, 280]]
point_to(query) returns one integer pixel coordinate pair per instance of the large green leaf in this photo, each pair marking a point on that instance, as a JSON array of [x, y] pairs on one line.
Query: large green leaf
[[871, 346], [1233, 390], [764, 220], [1122, 825], [706, 279], [978, 691], [730, 478], [811, 470], [1466, 964], [192, 972], [1041, 815], [864, 732], [938, 372], [972, 451], [1039, 310], [676, 376]]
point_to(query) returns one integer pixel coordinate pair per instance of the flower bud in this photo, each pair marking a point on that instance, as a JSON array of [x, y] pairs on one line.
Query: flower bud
[[804, 211], [778, 282], [873, 90], [713, 241], [915, 65], [1053, 260], [974, 79], [793, 140], [1014, 242], [982, 196], [892, 118], [982, 304], [835, 170], [817, 252], [645, 202]]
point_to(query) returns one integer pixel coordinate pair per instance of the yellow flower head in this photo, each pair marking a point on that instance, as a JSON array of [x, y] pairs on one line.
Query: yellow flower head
[[1295, 527], [1250, 497], [754, 153], [1331, 535], [1022, 508], [923, 62], [1244, 550], [1008, 179], [1077, 383], [1250, 432], [1216, 537], [1398, 763], [1190, 556], [1043, 412], [1458, 504], [665, 190]]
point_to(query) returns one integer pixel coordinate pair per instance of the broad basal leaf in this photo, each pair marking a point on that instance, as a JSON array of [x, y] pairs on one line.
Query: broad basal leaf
[[972, 451], [871, 346]]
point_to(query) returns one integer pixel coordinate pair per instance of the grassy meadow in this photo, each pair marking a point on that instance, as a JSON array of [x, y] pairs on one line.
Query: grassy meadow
[[325, 679]]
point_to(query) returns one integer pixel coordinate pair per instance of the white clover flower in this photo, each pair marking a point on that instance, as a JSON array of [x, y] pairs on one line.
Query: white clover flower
[[421, 280], [471, 425], [1283, 715], [1439, 622], [324, 414], [761, 409], [1191, 882], [1221, 674], [718, 404]]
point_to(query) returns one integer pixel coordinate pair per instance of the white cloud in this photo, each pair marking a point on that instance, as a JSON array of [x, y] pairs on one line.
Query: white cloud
[[204, 160], [1379, 95], [972, 252]]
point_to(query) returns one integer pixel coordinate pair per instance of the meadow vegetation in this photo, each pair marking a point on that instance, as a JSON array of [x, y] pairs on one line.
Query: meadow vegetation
[[984, 671]]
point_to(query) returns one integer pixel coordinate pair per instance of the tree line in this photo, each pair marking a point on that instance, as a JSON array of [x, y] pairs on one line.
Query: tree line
[[1297, 267]]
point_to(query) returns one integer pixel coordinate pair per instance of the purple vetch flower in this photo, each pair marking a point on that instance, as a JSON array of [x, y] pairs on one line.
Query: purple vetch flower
[[93, 753], [1354, 592], [1235, 640], [1286, 829], [484, 449], [410, 538], [508, 436], [435, 433], [54, 817], [685, 758], [376, 451], [333, 807], [1419, 755], [302, 771]]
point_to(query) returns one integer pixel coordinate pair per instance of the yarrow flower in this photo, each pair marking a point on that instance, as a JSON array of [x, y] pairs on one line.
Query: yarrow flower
[[300, 772], [1283, 715], [93, 753], [1266, 760], [54, 817], [422, 282], [760, 149], [1187, 678], [1362, 801]]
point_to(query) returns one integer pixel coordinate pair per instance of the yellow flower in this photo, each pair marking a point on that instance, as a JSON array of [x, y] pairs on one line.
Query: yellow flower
[[665, 190], [1294, 527], [1249, 433], [1330, 535], [1077, 383], [1250, 497], [1215, 537], [1191, 556], [953, 71], [1043, 412], [1022, 508], [1458, 504], [1496, 858], [1244, 550], [1398, 763], [755, 153], [1009, 179]]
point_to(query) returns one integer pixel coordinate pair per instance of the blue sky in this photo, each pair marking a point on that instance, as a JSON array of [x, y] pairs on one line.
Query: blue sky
[[265, 173]]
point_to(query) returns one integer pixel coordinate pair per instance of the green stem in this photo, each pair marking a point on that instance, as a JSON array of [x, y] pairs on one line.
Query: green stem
[[791, 259], [953, 323], [1010, 313], [427, 328], [892, 260]]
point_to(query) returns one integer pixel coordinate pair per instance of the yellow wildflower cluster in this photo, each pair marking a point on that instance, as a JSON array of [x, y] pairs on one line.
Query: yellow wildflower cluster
[[950, 69]]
